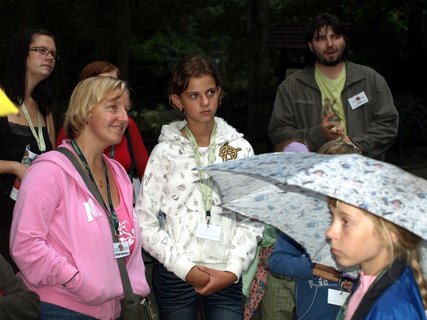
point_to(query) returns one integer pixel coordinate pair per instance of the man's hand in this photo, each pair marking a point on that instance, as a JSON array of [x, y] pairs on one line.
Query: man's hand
[[330, 131], [218, 280]]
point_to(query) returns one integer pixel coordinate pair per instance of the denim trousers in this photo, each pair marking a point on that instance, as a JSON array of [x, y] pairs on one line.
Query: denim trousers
[[177, 299], [50, 311]]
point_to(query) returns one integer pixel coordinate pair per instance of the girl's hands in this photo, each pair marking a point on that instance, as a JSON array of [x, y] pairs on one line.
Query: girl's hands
[[198, 279], [217, 280]]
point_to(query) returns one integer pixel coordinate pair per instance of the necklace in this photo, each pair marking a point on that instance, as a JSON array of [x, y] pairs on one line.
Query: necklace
[[39, 137], [100, 181]]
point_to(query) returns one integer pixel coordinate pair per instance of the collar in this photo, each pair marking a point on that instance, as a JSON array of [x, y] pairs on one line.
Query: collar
[[385, 280]]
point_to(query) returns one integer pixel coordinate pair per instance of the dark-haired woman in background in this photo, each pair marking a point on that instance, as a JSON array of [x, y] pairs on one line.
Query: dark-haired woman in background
[[28, 83]]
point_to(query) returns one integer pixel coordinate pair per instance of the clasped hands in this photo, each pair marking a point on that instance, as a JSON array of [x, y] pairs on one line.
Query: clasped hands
[[206, 280]]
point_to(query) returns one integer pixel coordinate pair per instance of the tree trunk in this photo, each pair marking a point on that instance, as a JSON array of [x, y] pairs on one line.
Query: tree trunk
[[257, 116], [417, 47], [123, 37], [29, 14]]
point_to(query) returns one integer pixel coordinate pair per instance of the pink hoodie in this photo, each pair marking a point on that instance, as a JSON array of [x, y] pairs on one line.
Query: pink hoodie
[[59, 229]]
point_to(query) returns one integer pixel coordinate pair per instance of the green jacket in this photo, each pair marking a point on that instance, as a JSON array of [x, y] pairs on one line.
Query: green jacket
[[298, 107]]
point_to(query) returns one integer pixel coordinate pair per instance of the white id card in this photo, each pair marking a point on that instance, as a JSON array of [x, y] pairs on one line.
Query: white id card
[[358, 100], [337, 297], [121, 249], [210, 232], [136, 183]]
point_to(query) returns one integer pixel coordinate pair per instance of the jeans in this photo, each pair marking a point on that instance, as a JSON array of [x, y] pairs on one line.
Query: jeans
[[50, 311], [177, 299]]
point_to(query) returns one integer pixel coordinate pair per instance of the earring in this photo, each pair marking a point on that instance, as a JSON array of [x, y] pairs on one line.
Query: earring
[[88, 117]]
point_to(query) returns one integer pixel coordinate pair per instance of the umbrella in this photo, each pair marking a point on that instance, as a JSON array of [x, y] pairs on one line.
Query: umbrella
[[6, 106], [302, 218], [378, 187]]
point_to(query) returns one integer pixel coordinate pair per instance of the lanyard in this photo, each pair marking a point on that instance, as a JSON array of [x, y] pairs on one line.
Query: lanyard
[[112, 151], [110, 200], [205, 188], [39, 138]]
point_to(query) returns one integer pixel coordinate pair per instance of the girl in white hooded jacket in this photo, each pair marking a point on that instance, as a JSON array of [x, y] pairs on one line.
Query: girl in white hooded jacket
[[201, 249]]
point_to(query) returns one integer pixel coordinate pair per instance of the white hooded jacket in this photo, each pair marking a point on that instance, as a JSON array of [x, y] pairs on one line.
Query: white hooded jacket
[[170, 206]]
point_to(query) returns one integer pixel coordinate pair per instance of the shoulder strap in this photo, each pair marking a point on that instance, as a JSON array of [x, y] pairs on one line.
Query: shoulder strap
[[127, 287]]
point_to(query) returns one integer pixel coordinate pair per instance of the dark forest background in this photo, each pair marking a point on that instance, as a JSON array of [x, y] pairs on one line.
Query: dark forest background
[[145, 39]]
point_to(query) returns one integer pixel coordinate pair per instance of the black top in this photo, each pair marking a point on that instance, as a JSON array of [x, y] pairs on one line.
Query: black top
[[13, 140]]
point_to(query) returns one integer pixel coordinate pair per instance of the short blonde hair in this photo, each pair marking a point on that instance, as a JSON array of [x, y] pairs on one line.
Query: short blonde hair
[[86, 95], [337, 146]]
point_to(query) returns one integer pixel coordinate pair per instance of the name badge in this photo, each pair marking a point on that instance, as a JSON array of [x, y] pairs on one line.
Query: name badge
[[136, 183], [358, 100], [210, 232], [121, 249], [337, 297]]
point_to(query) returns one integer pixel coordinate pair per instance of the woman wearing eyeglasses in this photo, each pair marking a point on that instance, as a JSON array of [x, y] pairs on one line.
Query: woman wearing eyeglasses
[[28, 83]]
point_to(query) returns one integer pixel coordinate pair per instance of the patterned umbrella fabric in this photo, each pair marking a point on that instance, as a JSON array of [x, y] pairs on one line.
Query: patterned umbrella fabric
[[378, 187], [304, 218], [261, 187]]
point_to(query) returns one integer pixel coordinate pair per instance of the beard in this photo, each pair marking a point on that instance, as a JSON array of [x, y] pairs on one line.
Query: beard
[[321, 59]]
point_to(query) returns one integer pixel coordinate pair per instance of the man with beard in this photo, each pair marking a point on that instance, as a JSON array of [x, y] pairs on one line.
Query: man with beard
[[334, 98]]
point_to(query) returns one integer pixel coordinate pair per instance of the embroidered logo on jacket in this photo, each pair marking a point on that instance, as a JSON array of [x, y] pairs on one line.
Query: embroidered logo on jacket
[[227, 152], [92, 211]]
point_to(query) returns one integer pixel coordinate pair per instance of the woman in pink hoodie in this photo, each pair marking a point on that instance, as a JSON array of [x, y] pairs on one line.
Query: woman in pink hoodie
[[61, 237]]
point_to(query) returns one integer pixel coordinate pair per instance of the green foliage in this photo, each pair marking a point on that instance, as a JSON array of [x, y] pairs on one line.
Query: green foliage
[[390, 36]]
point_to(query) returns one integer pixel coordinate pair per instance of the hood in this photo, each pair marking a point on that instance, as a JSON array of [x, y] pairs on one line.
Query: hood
[[56, 158], [172, 132]]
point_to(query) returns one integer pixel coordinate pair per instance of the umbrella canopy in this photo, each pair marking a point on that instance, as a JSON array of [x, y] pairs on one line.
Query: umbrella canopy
[[378, 187], [289, 192], [303, 218]]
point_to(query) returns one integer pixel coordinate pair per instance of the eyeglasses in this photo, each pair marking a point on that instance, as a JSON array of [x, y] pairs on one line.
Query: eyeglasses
[[45, 52]]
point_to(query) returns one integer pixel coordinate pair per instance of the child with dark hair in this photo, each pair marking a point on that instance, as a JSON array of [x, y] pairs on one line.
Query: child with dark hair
[[201, 250]]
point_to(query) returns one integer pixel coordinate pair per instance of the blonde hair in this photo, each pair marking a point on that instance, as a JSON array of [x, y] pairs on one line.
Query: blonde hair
[[406, 246], [86, 95], [337, 146]]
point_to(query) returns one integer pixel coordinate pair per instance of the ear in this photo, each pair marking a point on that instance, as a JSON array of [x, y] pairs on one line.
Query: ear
[[219, 88], [176, 102], [310, 46], [394, 238]]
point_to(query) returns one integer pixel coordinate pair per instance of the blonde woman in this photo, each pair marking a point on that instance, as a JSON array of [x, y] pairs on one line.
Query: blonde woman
[[61, 236]]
